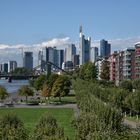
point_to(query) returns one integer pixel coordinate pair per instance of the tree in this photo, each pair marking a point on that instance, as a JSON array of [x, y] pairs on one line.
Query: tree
[[3, 93], [12, 128], [46, 91], [127, 85], [105, 70], [47, 88], [39, 82], [48, 129], [61, 87], [136, 84], [88, 71], [25, 91]]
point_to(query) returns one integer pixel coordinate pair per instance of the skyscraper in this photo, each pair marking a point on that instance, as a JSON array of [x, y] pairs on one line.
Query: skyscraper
[[93, 54], [12, 65], [105, 48], [55, 56], [84, 46], [70, 51], [28, 60], [60, 58]]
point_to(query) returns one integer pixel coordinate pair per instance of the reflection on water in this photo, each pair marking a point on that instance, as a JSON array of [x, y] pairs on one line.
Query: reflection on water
[[14, 86]]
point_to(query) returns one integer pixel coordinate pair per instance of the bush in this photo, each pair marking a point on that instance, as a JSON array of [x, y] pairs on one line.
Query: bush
[[48, 129], [12, 128]]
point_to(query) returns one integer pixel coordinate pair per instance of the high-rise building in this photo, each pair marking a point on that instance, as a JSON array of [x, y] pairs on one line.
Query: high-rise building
[[70, 51], [75, 60], [28, 60], [129, 63], [84, 46], [60, 58], [119, 67], [105, 48], [55, 56], [12, 65], [112, 69], [137, 60], [93, 54], [4, 67]]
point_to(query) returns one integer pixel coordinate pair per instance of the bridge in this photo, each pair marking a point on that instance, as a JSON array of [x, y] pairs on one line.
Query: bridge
[[34, 74]]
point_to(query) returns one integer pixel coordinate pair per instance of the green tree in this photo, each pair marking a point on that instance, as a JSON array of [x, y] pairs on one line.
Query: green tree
[[126, 84], [47, 88], [12, 128], [39, 82], [48, 129], [88, 71], [61, 87], [136, 84], [25, 91], [3, 93], [22, 71], [105, 70]]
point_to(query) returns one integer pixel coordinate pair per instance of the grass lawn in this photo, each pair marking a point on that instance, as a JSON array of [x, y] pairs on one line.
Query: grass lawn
[[30, 117]]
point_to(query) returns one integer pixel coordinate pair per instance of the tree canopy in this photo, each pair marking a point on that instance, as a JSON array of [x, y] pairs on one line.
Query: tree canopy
[[3, 93]]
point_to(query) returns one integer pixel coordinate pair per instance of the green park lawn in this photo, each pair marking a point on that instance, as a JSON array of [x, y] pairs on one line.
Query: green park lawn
[[30, 117]]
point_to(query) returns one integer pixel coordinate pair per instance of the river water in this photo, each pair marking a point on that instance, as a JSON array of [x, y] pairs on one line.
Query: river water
[[14, 85]]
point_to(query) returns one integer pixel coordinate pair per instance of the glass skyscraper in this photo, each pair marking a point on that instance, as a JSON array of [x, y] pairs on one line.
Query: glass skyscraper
[[85, 45], [105, 48]]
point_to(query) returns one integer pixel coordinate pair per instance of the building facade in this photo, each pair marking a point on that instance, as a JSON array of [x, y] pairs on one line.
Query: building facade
[[70, 51], [12, 65], [129, 64], [137, 60], [93, 54], [28, 60], [105, 49], [85, 45]]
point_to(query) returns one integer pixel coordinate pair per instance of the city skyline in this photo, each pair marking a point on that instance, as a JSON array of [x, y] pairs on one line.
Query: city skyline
[[35, 24]]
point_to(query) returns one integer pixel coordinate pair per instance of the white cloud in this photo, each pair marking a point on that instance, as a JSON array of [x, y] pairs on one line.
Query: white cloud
[[13, 52], [59, 42]]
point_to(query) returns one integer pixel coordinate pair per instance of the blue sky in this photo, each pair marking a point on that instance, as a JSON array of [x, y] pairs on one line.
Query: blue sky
[[34, 21]]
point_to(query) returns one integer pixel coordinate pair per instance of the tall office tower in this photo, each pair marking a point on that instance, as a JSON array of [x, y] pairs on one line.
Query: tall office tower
[[60, 58], [112, 69], [12, 65], [84, 46], [137, 60], [129, 63], [93, 54], [41, 62], [40, 57], [51, 55], [75, 60], [105, 48], [28, 60], [4, 67], [119, 68], [69, 52]]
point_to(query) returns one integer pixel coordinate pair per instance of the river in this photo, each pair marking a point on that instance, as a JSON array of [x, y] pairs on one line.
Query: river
[[14, 85]]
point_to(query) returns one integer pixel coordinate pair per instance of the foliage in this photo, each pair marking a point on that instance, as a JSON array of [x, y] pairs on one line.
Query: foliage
[[12, 128], [48, 129], [26, 91], [98, 119], [87, 71], [126, 84], [61, 87], [105, 70], [39, 82], [21, 71], [3, 93], [136, 84]]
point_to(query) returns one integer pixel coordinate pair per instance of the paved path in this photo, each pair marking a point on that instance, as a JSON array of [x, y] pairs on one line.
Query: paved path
[[130, 124]]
